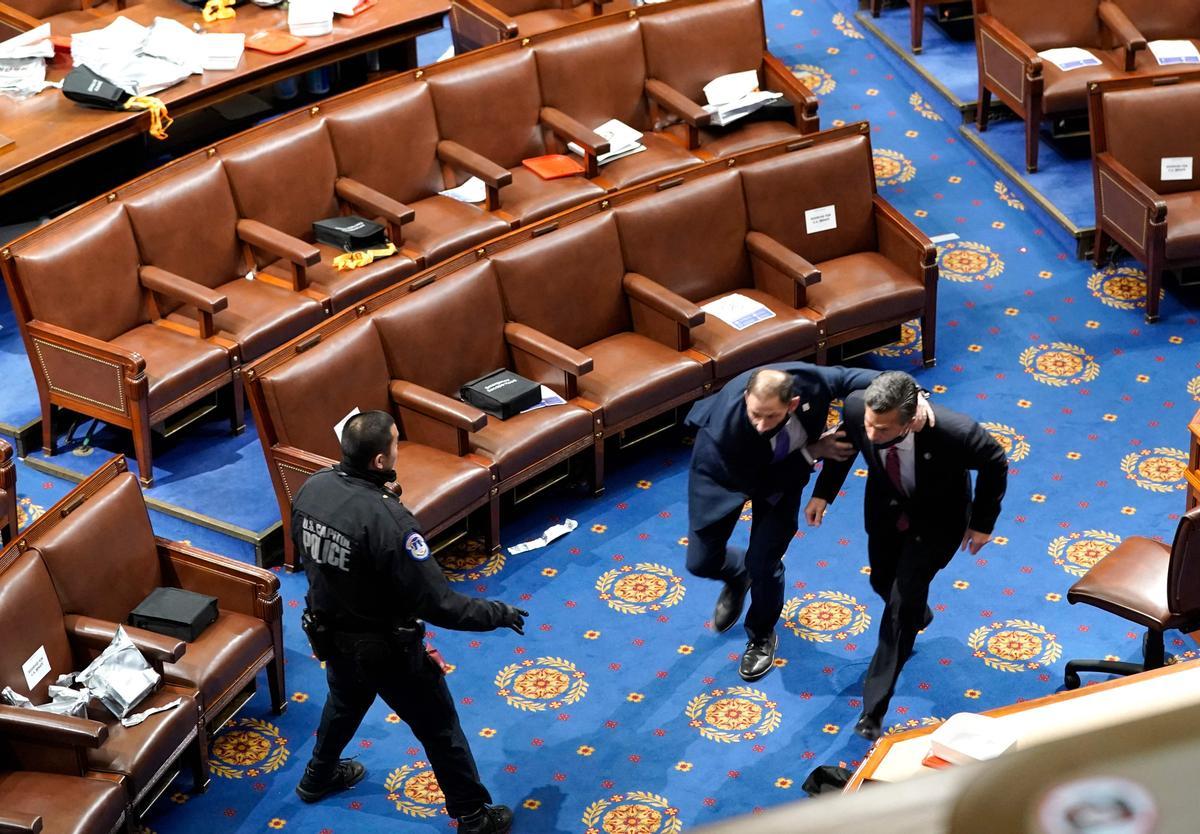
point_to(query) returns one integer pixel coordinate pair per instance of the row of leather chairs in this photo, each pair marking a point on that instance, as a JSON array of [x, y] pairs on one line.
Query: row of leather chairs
[[65, 584], [601, 304], [8, 493], [135, 307], [1152, 212], [1009, 34]]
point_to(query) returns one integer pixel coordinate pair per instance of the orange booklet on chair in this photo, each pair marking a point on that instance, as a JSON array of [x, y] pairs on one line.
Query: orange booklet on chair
[[552, 166]]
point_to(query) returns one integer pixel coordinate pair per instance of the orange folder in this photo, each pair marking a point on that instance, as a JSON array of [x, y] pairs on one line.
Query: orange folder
[[552, 166], [273, 41]]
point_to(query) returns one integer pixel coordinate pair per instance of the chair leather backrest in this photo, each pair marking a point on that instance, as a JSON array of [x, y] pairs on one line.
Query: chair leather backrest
[[512, 8], [690, 46], [779, 190], [1048, 25], [31, 618], [102, 556], [1183, 576], [308, 395], [690, 238], [568, 284], [1163, 19], [285, 178], [84, 275], [388, 141], [186, 223], [492, 107], [42, 9], [596, 75], [464, 312], [1175, 108]]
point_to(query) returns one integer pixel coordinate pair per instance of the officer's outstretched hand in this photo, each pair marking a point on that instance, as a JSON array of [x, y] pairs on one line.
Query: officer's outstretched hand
[[513, 617]]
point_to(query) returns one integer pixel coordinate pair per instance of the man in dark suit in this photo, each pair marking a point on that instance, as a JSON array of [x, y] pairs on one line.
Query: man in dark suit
[[758, 440], [919, 511]]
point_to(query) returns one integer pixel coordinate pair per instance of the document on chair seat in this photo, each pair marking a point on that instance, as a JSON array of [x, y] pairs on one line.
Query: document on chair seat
[[548, 398], [473, 190], [1069, 58], [734, 95], [623, 141], [1174, 52], [737, 310]]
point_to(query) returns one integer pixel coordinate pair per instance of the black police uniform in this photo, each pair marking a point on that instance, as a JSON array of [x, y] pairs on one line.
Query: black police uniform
[[371, 581]]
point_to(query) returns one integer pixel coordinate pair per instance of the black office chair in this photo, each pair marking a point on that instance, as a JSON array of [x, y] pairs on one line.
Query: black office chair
[[1148, 583]]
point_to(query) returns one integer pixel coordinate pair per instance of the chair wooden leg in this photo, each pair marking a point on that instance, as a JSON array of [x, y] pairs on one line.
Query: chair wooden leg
[[1100, 246], [598, 467], [49, 439], [982, 108], [142, 444], [492, 538], [199, 759], [237, 416], [916, 24], [275, 681], [1033, 124], [876, 7], [1154, 272], [929, 339]]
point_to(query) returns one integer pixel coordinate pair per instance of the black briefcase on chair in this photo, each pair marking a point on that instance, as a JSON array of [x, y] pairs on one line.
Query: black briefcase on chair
[[502, 393], [175, 612], [350, 233]]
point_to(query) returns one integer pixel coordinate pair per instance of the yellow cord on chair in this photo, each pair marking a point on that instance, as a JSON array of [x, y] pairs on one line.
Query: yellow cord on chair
[[160, 120], [218, 10], [353, 260]]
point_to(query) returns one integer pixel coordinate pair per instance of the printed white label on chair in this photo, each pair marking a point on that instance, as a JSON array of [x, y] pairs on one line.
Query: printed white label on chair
[[1176, 168], [36, 668], [820, 219]]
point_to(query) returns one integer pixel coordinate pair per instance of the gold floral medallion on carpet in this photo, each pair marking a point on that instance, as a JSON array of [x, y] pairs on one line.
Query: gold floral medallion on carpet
[[825, 616], [545, 683], [1014, 645], [636, 812], [637, 589], [1076, 553], [415, 791], [247, 747], [738, 713]]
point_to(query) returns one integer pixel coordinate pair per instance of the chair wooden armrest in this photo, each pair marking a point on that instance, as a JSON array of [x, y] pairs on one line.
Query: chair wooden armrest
[[17, 822], [1020, 56], [780, 271], [1126, 33], [366, 199], [301, 255], [662, 94], [902, 243], [1146, 198], [206, 301], [488, 14], [50, 728], [570, 130], [463, 158], [132, 362], [97, 634], [238, 587], [533, 352], [777, 77], [427, 415], [662, 300]]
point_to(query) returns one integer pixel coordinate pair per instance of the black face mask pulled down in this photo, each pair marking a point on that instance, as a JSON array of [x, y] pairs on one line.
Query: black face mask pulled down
[[893, 442], [378, 477]]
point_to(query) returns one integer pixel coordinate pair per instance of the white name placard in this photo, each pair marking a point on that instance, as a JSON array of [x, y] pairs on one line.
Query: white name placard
[[36, 668], [1176, 168], [820, 219]]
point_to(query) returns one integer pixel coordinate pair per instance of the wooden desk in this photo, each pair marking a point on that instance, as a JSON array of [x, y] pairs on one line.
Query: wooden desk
[[50, 131], [898, 757]]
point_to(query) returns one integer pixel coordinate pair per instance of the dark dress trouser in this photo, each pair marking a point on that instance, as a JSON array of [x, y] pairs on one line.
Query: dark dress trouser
[[411, 684], [772, 527], [901, 570]]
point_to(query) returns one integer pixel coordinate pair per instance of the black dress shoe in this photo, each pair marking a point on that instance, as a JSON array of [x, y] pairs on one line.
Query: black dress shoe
[[729, 605], [490, 819], [758, 658], [313, 787], [868, 727]]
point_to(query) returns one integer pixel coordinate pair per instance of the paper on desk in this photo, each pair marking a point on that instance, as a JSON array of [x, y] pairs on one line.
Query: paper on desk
[[473, 190], [967, 737], [1174, 52], [138, 59], [738, 311], [548, 398], [23, 77], [32, 44], [222, 51], [121, 37], [310, 18], [171, 41], [1069, 58], [551, 533]]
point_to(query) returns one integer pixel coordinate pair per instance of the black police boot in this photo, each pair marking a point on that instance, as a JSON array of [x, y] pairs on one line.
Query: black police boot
[[758, 658], [729, 604], [869, 727], [312, 787], [490, 819]]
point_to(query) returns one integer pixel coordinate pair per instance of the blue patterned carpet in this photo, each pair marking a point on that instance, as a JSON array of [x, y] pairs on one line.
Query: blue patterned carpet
[[620, 711]]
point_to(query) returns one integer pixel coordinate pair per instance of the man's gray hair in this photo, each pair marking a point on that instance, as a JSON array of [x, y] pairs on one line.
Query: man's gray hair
[[893, 390]]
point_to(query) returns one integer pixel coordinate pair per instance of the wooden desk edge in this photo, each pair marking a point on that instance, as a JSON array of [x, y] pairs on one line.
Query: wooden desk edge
[[879, 751]]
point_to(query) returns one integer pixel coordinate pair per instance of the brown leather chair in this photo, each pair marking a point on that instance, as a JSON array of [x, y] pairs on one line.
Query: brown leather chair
[[571, 286], [186, 223], [1155, 220], [602, 77], [877, 270], [142, 758], [54, 803], [492, 109], [287, 179], [464, 310], [476, 23], [694, 241], [1149, 583], [111, 354], [692, 45], [301, 392], [8, 494], [105, 559], [388, 141], [1009, 34], [916, 13], [1162, 20]]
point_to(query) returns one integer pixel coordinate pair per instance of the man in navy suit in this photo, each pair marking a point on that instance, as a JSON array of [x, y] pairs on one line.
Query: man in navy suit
[[758, 440], [919, 511]]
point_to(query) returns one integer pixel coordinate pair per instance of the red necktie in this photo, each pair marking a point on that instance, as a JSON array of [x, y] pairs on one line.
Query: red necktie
[[892, 465]]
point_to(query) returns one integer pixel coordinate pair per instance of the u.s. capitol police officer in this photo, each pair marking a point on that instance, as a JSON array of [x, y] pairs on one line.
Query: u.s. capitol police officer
[[371, 583]]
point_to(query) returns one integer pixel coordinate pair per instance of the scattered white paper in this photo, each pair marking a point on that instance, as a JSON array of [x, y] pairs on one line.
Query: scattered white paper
[[140, 60], [139, 717], [1174, 52], [310, 18], [623, 140], [341, 424], [23, 77], [473, 190], [737, 310], [1176, 168], [732, 96], [551, 533], [36, 668], [1069, 58], [946, 238], [820, 219], [548, 398], [32, 44]]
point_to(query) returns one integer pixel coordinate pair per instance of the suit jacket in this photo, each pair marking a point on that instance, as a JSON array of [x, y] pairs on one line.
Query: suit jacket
[[942, 506], [732, 462]]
